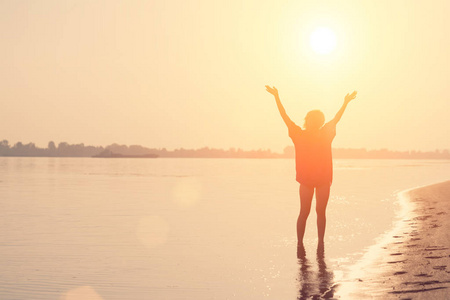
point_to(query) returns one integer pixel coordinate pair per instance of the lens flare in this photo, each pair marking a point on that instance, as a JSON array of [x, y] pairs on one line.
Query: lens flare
[[187, 191], [81, 293]]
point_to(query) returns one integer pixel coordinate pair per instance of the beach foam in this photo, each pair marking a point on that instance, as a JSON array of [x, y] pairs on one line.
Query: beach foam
[[413, 260]]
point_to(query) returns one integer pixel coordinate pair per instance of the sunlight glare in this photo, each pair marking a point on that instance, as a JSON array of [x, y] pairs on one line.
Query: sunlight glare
[[323, 40]]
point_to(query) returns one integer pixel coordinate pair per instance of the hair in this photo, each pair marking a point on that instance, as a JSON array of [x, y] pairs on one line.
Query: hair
[[314, 119]]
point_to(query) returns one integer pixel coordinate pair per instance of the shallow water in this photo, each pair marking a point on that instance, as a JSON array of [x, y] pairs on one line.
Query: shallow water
[[84, 228]]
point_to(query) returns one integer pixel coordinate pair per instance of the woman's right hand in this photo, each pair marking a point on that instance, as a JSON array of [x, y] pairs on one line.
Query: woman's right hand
[[272, 90], [350, 97]]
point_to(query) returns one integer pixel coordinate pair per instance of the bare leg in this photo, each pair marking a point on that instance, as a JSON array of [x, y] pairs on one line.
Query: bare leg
[[306, 194], [322, 195]]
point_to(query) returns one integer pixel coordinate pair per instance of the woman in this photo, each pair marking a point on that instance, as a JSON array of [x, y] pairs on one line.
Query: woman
[[313, 161]]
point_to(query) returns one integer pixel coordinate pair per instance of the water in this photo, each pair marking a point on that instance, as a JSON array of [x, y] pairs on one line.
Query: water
[[84, 228]]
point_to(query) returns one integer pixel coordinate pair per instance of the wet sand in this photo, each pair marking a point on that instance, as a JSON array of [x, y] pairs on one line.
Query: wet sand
[[415, 263]]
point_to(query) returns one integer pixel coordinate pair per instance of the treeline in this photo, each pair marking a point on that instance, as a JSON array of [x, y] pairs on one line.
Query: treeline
[[64, 149], [363, 153], [389, 154]]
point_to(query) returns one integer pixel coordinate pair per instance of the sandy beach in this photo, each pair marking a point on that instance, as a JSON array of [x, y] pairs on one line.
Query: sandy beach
[[415, 263]]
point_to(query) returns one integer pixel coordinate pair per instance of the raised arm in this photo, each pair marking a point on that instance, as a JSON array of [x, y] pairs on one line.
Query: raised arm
[[347, 99], [281, 109]]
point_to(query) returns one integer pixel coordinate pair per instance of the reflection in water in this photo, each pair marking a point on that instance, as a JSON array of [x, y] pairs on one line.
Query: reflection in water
[[314, 283]]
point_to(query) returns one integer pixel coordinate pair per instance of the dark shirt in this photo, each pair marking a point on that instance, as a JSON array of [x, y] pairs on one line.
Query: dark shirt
[[313, 161]]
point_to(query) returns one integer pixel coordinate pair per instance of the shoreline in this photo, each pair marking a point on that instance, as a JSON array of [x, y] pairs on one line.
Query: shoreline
[[411, 261]]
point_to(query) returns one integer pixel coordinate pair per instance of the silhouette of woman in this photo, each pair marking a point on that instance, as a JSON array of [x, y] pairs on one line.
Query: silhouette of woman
[[313, 161]]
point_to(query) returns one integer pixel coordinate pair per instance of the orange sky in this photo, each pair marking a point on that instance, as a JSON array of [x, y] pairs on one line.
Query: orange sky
[[192, 73]]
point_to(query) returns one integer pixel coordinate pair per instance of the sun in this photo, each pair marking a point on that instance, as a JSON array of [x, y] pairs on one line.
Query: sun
[[323, 40]]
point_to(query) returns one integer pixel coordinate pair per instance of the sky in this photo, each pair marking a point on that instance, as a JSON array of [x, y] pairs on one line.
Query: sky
[[191, 74]]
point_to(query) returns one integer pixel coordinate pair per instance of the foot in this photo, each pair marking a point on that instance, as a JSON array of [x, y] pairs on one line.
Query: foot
[[320, 249], [301, 252]]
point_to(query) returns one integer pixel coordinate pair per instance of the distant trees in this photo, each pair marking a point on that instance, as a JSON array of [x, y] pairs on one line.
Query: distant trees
[[389, 154], [80, 150], [63, 149], [379, 153], [29, 149], [51, 148], [4, 148]]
